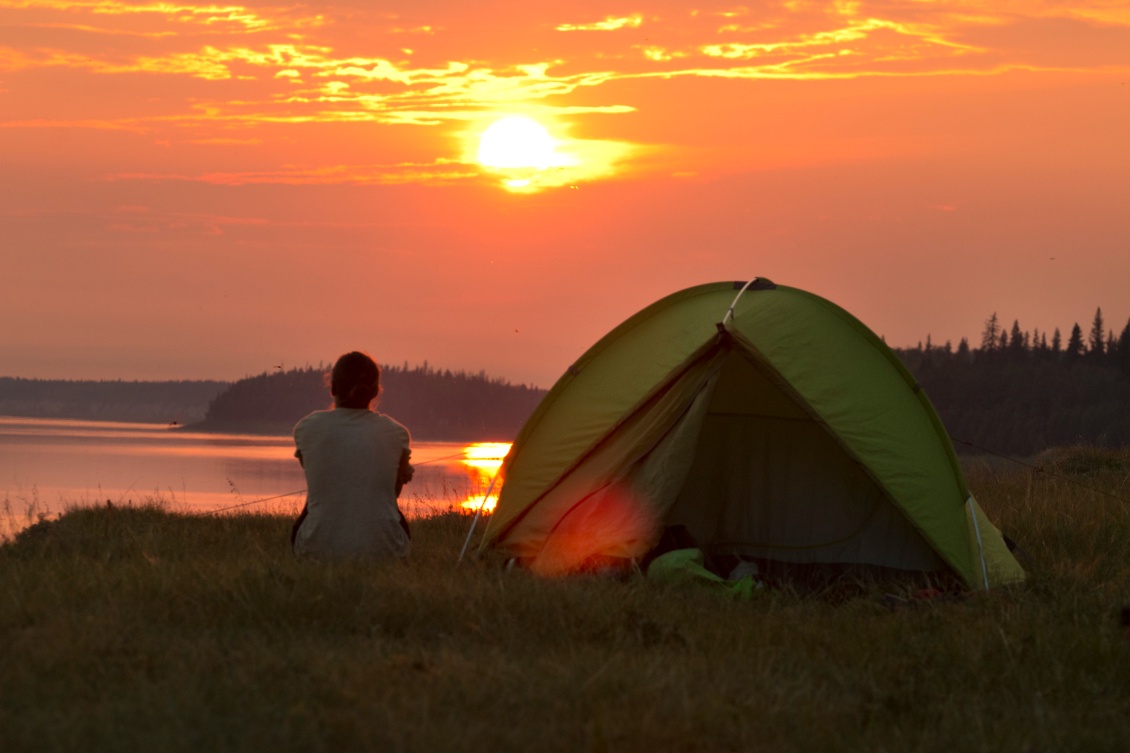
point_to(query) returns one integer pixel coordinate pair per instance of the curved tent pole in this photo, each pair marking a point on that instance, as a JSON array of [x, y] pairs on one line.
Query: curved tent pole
[[730, 311]]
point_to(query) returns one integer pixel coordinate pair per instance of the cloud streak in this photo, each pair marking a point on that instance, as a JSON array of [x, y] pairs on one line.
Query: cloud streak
[[233, 68]]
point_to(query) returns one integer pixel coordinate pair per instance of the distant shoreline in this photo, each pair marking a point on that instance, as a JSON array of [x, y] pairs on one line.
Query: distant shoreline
[[435, 405], [278, 429], [252, 428], [259, 428]]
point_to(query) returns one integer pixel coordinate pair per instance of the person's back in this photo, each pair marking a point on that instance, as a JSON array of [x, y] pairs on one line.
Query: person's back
[[355, 462]]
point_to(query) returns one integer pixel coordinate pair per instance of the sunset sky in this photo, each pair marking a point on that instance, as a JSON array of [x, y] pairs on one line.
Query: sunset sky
[[208, 191]]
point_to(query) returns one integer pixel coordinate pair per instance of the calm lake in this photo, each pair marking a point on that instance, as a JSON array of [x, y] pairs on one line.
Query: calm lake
[[48, 465]]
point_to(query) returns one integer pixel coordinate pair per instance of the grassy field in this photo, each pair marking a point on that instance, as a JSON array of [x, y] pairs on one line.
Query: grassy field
[[143, 630]]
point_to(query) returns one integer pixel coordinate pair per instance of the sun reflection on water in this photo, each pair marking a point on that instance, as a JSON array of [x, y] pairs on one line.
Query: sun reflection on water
[[51, 464], [482, 460]]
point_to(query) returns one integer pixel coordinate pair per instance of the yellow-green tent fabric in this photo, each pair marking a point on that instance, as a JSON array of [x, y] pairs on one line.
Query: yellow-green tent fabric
[[768, 421]]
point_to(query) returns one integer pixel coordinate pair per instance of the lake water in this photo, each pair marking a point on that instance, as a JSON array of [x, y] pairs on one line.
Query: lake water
[[48, 465]]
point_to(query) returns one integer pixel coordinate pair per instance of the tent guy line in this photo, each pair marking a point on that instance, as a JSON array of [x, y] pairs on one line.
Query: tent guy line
[[302, 491], [1043, 470]]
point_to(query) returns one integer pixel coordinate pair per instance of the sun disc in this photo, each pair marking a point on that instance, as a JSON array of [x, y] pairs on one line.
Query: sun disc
[[517, 142]]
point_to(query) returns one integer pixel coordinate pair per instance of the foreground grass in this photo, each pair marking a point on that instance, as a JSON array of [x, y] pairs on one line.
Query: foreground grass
[[139, 629]]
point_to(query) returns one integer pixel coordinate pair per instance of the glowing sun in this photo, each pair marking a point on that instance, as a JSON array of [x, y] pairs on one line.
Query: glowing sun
[[519, 142]]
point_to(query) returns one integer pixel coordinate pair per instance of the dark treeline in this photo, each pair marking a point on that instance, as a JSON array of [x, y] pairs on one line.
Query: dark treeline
[[1022, 392], [143, 402], [433, 404], [1019, 393]]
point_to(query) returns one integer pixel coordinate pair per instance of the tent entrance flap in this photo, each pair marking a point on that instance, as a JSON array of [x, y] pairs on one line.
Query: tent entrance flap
[[768, 481], [627, 461], [624, 518]]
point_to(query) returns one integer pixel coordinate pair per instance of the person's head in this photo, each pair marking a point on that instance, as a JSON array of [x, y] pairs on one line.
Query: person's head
[[355, 380]]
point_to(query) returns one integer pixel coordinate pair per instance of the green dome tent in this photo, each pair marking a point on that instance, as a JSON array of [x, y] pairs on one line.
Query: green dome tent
[[768, 422]]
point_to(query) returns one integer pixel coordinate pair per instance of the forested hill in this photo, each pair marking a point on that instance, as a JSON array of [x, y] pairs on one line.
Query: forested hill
[[143, 402], [1019, 394], [433, 404]]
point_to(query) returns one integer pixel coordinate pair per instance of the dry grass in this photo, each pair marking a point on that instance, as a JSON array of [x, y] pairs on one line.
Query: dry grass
[[140, 629]]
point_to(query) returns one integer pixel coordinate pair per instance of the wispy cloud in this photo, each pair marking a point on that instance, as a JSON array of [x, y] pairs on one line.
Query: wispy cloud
[[233, 68], [391, 174], [216, 16], [610, 23], [297, 57]]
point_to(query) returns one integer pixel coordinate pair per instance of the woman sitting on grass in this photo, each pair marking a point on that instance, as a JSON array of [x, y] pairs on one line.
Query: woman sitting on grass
[[356, 462]]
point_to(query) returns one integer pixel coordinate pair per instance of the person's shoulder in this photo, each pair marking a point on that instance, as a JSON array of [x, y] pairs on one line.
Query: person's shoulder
[[318, 415], [391, 424], [313, 419]]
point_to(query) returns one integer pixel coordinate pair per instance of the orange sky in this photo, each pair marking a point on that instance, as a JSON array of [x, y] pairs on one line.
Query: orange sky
[[206, 191]]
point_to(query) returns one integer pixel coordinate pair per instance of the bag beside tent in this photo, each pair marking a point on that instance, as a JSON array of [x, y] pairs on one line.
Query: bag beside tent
[[773, 426]]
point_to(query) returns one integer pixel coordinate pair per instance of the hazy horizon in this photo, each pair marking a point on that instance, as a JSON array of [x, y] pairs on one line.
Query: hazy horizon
[[974, 342]]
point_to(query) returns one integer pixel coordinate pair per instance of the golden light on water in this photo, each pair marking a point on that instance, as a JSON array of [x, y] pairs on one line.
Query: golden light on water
[[484, 459], [485, 456], [475, 501]]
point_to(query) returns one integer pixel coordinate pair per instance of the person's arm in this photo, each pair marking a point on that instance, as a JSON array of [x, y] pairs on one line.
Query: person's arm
[[299, 440], [302, 515], [405, 472]]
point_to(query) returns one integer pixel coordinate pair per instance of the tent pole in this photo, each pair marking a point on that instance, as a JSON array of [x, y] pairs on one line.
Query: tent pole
[[730, 311], [980, 543], [478, 514]]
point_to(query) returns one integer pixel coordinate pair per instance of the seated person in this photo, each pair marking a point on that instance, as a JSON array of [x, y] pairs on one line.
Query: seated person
[[356, 463]]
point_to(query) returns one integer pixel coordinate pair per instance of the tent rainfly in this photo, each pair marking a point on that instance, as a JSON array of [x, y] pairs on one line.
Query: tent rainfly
[[769, 422]]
